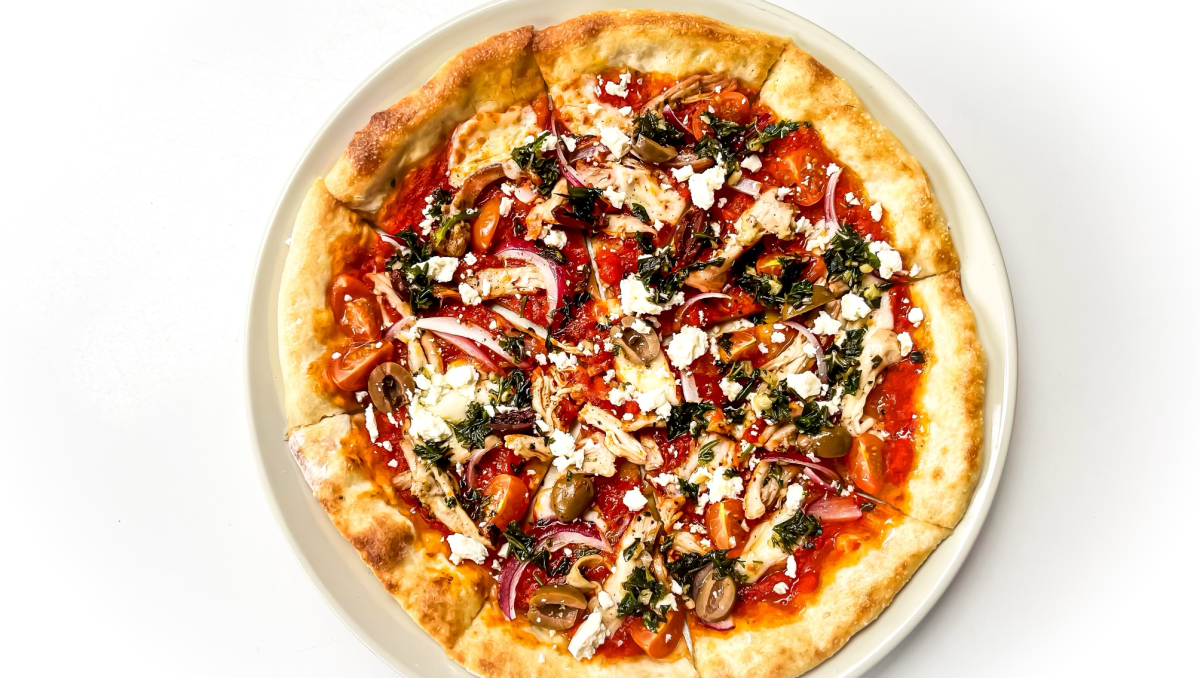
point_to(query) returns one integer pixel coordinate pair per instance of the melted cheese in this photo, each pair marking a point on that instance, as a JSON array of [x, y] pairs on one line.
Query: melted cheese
[[583, 113], [489, 137]]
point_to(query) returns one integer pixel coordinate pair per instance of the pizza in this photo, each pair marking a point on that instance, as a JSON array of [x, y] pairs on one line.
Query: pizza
[[633, 343]]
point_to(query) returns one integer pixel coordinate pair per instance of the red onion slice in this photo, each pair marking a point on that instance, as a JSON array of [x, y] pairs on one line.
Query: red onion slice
[[398, 326], [812, 475], [748, 186], [559, 534], [723, 625], [585, 152], [699, 297], [476, 456], [467, 330], [564, 167], [510, 576], [784, 459], [830, 198], [550, 271], [835, 510], [470, 348], [822, 371], [669, 116], [690, 392]]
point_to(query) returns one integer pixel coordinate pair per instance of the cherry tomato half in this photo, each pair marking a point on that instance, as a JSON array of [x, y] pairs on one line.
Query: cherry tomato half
[[660, 642], [355, 308], [865, 463], [724, 522], [803, 169], [508, 498], [483, 229], [733, 106], [351, 369]]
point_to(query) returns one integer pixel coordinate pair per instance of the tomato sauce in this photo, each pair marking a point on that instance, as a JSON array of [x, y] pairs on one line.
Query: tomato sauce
[[405, 211]]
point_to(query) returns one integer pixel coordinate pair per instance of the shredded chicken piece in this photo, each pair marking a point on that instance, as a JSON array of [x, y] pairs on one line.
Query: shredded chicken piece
[[530, 447], [765, 488], [881, 349], [543, 212], [640, 535], [766, 215], [433, 488], [760, 554], [616, 439], [493, 283]]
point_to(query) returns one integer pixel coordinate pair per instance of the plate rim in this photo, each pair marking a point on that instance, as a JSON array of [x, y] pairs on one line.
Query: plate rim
[[999, 421]]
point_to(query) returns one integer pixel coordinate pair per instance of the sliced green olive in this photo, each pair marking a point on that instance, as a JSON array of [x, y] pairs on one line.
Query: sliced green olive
[[571, 495], [831, 442], [651, 151], [556, 607], [716, 596], [389, 386]]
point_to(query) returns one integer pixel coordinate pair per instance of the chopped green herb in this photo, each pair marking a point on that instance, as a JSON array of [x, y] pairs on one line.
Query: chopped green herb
[[848, 257], [432, 453], [639, 212], [799, 529], [544, 166], [688, 418], [775, 130]]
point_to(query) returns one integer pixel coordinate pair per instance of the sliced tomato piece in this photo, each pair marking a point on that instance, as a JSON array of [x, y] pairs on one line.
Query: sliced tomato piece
[[483, 229], [660, 642], [766, 335], [802, 168], [768, 264], [350, 370], [508, 498], [724, 522], [354, 308], [865, 463], [816, 270], [733, 106], [740, 343]]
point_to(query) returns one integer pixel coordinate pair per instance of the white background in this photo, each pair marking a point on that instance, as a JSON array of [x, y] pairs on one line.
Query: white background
[[144, 145]]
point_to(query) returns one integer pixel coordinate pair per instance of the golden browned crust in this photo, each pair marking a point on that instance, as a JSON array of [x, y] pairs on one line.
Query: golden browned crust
[[496, 648], [325, 238], [654, 41], [800, 88], [495, 73], [848, 600], [441, 598], [947, 449]]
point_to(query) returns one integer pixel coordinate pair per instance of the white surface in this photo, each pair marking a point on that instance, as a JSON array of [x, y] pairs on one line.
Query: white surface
[[336, 569], [146, 145]]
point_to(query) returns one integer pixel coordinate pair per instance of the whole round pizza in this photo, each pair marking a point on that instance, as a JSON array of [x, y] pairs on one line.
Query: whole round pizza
[[633, 343]]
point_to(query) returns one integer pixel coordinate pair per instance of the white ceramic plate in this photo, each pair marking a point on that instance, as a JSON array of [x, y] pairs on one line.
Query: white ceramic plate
[[349, 586]]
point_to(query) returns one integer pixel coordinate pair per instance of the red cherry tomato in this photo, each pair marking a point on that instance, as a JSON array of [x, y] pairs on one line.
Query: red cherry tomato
[[508, 498], [865, 463], [660, 642], [351, 369], [355, 308]]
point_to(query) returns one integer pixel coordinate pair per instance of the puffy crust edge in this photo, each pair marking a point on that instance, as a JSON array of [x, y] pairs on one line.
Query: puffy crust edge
[[801, 88], [325, 238], [496, 73], [440, 598], [948, 454], [494, 647], [854, 597], [648, 40]]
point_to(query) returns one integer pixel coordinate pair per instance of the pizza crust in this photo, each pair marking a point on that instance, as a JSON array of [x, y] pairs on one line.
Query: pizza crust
[[496, 648], [801, 88], [325, 238], [653, 41], [948, 450], [851, 599], [494, 74], [441, 598]]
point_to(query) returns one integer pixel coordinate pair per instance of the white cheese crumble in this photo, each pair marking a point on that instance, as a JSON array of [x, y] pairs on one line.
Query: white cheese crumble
[[441, 269], [427, 426], [470, 258], [780, 588], [618, 89], [876, 211], [464, 548], [635, 298], [826, 324], [372, 428], [682, 174], [506, 204], [778, 337], [634, 499], [889, 258], [686, 345], [593, 108], [906, 344], [617, 141], [470, 296], [791, 567], [562, 446], [752, 163], [854, 307], [604, 600], [851, 200], [806, 384], [555, 239], [703, 185], [722, 487], [915, 316], [564, 361], [730, 388], [589, 636], [795, 495], [614, 197]]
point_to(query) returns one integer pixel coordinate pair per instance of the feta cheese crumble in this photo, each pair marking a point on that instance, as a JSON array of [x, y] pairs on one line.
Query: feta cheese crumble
[[616, 141], [702, 186], [589, 636], [915, 316], [634, 499], [906, 345], [687, 345], [464, 548], [441, 269], [889, 258], [470, 296], [854, 307], [826, 324]]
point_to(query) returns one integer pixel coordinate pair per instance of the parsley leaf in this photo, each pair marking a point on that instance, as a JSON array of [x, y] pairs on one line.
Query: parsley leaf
[[514, 345], [472, 430], [707, 453], [433, 453], [639, 212], [799, 529], [847, 256], [655, 128], [642, 590], [544, 166], [688, 418], [775, 130], [514, 390], [843, 360], [520, 545], [812, 419]]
